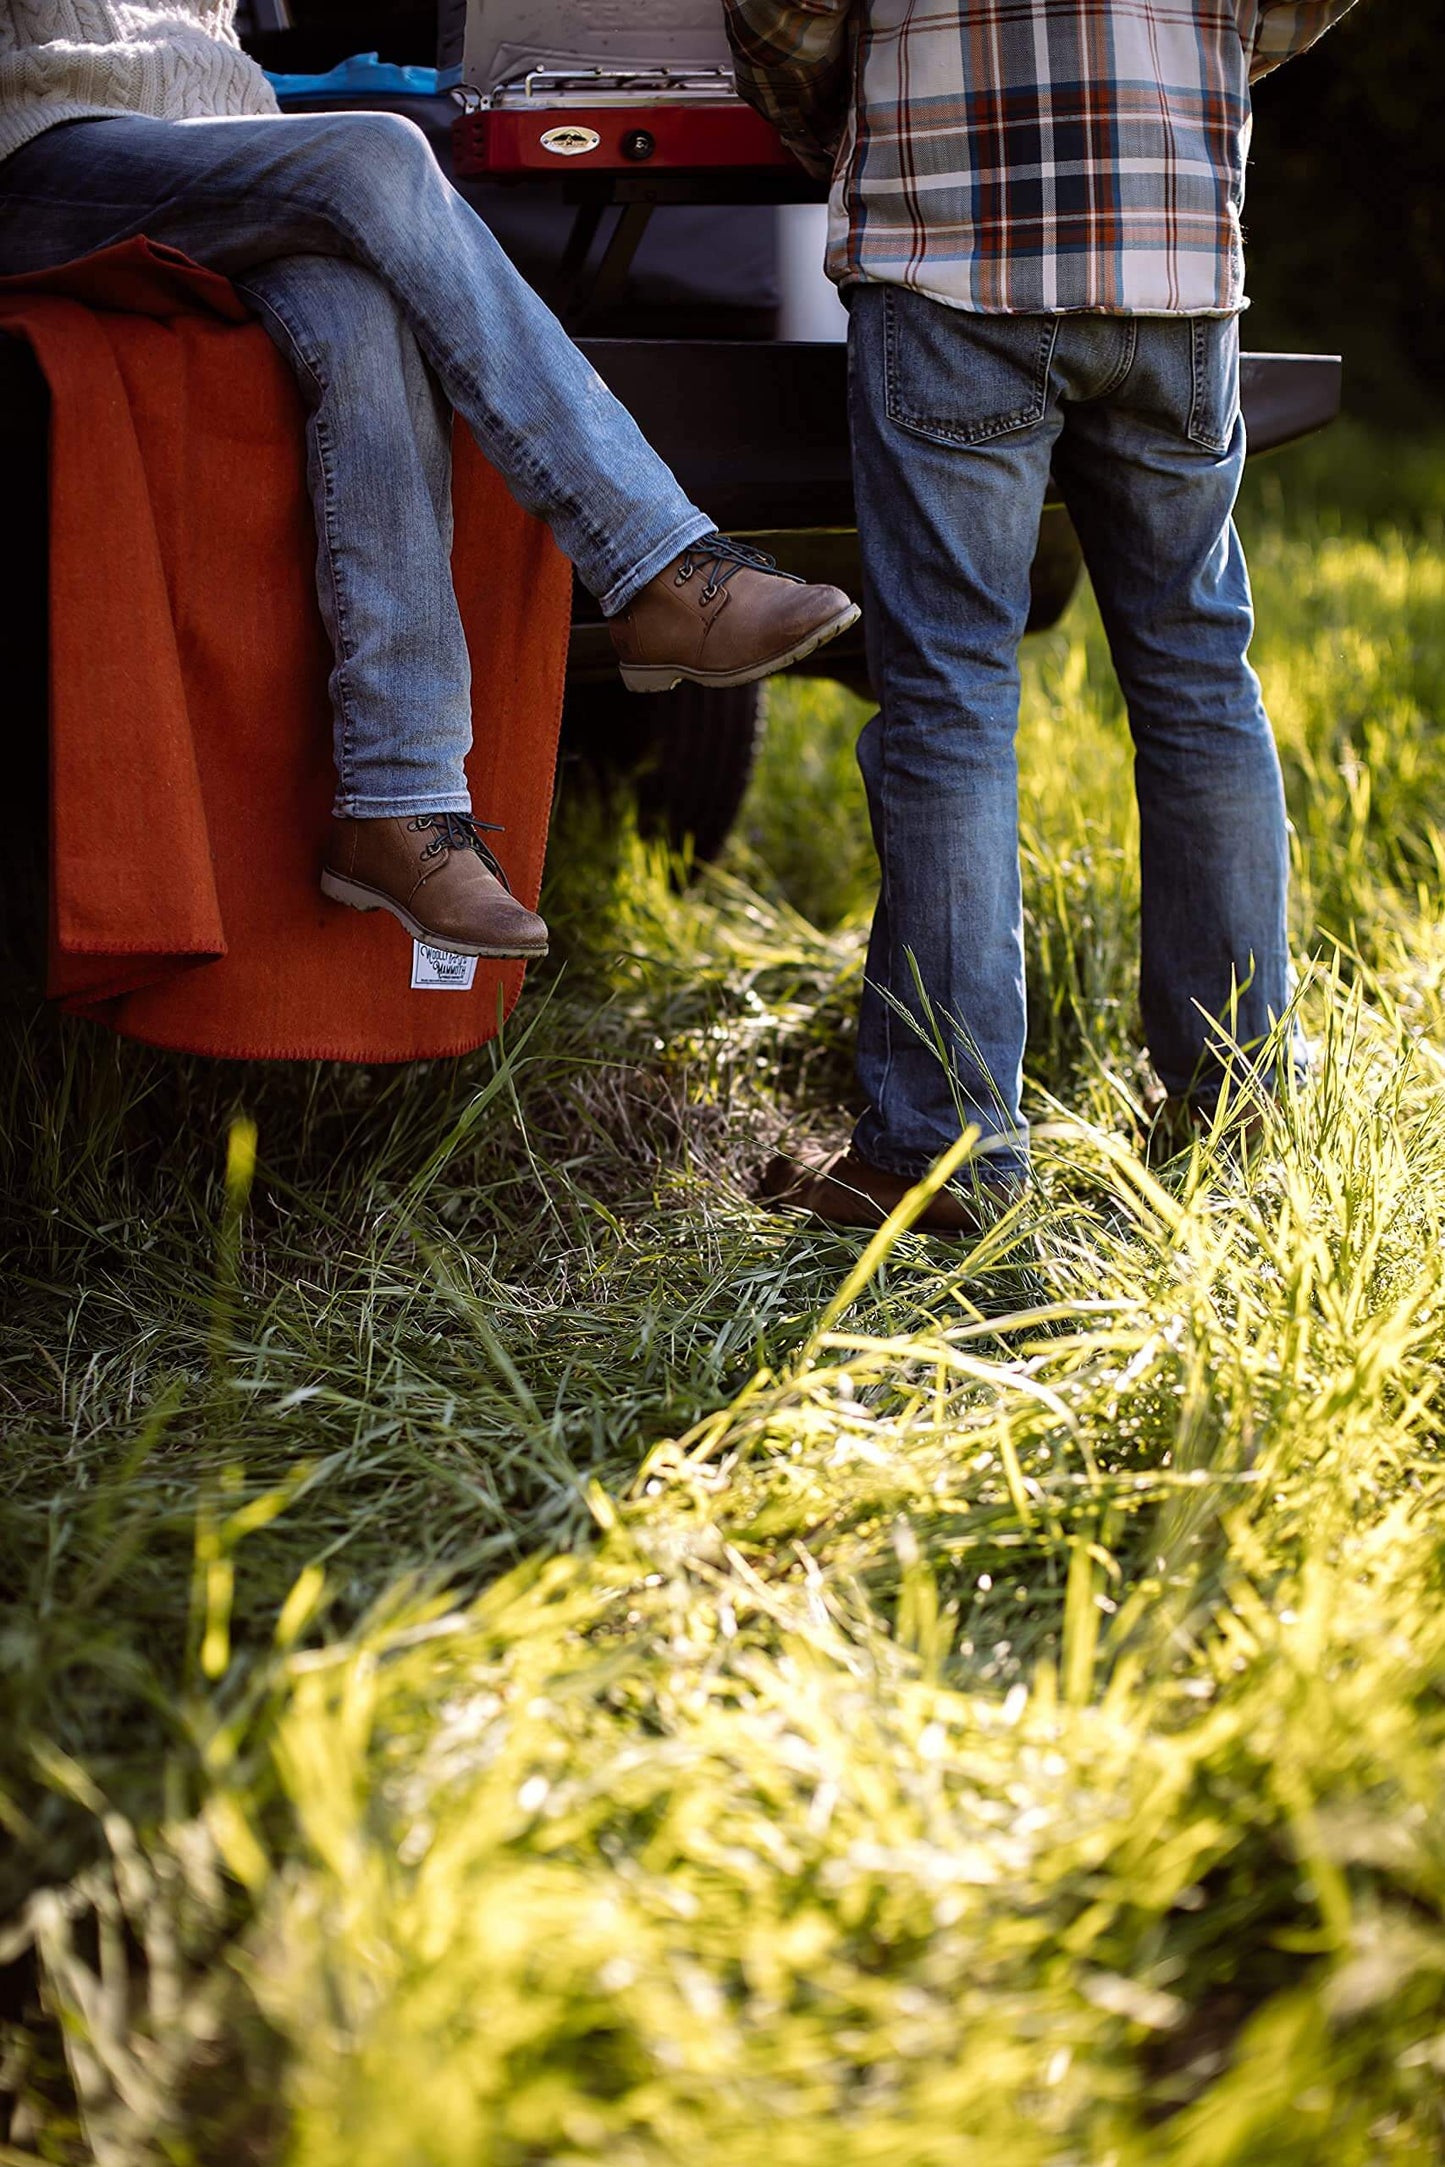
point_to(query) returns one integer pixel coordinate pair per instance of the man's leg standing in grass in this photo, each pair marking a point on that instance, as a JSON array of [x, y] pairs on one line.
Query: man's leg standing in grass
[[1036, 221], [1151, 489]]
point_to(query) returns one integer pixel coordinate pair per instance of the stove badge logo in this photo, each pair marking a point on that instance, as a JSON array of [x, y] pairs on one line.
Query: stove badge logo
[[571, 142]]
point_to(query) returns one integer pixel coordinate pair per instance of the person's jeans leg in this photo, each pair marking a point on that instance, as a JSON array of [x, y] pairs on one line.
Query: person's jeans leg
[[365, 186], [953, 424], [1151, 474], [378, 441]]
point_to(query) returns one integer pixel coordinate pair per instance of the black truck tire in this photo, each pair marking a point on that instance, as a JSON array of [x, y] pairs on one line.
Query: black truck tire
[[1058, 562], [688, 754]]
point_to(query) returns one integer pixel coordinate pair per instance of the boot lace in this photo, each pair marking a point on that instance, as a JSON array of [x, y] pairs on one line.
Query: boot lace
[[722, 559], [459, 831]]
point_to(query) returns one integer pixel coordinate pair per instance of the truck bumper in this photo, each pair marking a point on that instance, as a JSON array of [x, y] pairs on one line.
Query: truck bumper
[[758, 435]]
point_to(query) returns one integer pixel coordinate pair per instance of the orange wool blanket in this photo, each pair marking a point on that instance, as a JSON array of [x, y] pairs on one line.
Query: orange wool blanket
[[190, 729]]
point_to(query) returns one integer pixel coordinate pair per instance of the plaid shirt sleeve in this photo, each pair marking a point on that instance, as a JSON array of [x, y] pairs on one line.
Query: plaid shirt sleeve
[[792, 62], [1288, 27]]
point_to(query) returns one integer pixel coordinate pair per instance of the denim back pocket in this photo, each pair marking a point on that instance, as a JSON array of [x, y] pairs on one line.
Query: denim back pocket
[[960, 378], [1214, 388]]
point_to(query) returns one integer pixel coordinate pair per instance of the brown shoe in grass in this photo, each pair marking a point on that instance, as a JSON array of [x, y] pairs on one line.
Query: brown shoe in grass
[[434, 872], [1174, 1123], [723, 614], [843, 1190]]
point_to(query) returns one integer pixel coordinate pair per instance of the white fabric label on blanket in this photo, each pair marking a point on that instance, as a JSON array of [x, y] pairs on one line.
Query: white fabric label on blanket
[[439, 970]]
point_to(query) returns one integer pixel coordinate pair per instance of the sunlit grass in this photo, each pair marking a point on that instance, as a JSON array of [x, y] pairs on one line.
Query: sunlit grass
[[507, 1665]]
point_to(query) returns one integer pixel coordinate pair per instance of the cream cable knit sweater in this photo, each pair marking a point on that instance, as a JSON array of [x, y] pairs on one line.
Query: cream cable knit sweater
[[171, 59]]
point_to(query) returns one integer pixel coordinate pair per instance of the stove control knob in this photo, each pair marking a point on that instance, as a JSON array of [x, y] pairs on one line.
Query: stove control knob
[[638, 145]]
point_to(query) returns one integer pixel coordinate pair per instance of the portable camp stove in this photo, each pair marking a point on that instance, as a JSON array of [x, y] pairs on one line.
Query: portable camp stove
[[622, 105], [636, 89]]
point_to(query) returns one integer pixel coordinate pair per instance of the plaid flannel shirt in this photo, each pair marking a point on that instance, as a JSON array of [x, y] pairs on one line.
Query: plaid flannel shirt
[[1033, 156]]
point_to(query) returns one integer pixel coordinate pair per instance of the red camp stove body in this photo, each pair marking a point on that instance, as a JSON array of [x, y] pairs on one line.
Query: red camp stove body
[[510, 141], [597, 87]]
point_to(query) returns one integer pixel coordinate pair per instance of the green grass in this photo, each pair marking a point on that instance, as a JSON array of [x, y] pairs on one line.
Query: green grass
[[513, 1657]]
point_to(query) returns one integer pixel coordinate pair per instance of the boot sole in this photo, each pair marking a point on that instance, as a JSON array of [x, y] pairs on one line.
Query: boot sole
[[662, 676], [360, 897]]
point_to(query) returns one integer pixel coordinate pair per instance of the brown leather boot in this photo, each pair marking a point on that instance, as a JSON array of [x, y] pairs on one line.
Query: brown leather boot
[[434, 873], [844, 1190], [723, 614]]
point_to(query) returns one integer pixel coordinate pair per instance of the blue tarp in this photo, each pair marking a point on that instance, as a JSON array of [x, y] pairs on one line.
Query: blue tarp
[[362, 76]]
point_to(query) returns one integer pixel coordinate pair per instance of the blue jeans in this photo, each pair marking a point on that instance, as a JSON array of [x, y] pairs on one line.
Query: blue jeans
[[956, 421], [395, 306]]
